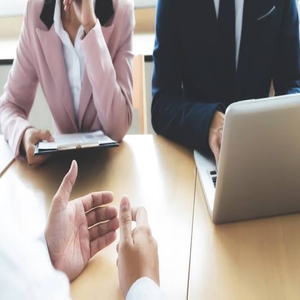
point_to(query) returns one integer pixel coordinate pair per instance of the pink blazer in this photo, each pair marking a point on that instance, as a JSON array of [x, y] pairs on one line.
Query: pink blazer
[[106, 92]]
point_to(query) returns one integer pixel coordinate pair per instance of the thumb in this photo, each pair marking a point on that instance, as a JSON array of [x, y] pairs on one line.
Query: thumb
[[125, 220], [62, 196], [45, 135]]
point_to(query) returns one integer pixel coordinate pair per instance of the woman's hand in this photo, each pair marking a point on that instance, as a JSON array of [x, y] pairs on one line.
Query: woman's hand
[[85, 13], [31, 137]]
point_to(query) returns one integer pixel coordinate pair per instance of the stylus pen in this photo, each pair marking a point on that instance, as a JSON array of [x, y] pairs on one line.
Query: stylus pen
[[77, 146]]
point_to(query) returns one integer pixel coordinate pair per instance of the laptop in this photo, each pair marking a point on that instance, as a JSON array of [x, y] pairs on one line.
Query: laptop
[[259, 165]]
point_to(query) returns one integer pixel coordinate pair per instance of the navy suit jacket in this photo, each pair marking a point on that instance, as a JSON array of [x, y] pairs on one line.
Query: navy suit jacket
[[184, 81]]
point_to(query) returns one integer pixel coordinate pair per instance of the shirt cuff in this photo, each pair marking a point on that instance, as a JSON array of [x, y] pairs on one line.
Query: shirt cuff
[[145, 289]]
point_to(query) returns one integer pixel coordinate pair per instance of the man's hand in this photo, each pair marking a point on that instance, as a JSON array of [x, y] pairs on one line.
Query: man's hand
[[84, 10], [138, 256], [31, 137], [78, 229], [215, 134]]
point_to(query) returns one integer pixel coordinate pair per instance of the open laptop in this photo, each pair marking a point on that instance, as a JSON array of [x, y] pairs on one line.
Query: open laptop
[[259, 165]]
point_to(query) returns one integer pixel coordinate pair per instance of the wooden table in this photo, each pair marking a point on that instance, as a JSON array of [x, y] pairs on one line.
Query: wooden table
[[152, 171], [6, 155], [258, 259]]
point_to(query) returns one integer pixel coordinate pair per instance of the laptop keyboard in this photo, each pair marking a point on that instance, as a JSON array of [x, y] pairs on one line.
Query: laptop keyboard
[[213, 175]]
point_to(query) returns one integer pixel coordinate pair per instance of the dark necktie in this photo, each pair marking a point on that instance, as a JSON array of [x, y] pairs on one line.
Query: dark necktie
[[226, 67]]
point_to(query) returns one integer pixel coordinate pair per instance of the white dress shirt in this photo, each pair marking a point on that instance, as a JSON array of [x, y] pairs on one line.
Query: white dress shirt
[[73, 55], [26, 271], [239, 10]]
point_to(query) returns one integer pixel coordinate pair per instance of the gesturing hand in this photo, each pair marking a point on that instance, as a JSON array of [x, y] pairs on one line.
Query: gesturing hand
[[138, 256], [84, 10], [78, 229]]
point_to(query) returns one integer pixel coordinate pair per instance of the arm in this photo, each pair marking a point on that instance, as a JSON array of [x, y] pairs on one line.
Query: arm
[[145, 289], [26, 272], [19, 92], [111, 79], [287, 57], [174, 114]]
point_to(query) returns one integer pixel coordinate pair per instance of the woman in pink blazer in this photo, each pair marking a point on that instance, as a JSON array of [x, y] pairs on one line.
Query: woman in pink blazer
[[80, 51]]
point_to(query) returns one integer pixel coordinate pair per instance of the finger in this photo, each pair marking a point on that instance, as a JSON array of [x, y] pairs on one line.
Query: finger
[[67, 7], [102, 242], [125, 220], [102, 229], [101, 214], [67, 3], [93, 200], [217, 154], [45, 135], [217, 161], [63, 194], [34, 160], [140, 216]]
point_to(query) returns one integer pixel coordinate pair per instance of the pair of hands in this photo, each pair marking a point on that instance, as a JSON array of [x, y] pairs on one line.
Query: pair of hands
[[215, 134], [78, 229]]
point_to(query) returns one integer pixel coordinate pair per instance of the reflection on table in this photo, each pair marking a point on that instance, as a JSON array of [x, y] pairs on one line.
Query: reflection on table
[[151, 170], [257, 259]]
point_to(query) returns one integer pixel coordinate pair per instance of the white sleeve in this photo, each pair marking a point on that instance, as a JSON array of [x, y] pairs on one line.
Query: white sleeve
[[145, 289], [25, 269]]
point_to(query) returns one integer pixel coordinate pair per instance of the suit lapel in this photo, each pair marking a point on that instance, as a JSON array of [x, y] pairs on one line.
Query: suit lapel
[[52, 49]]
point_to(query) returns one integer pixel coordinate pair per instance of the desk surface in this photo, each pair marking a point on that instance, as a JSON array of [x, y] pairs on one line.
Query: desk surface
[[152, 171], [258, 259], [6, 155]]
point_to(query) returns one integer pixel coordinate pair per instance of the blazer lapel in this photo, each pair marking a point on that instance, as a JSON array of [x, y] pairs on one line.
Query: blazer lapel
[[52, 49], [50, 42]]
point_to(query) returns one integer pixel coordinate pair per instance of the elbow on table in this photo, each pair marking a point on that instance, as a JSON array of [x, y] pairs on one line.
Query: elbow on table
[[157, 118], [118, 130]]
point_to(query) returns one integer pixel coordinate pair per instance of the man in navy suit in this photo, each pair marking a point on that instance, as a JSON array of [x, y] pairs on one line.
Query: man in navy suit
[[210, 53]]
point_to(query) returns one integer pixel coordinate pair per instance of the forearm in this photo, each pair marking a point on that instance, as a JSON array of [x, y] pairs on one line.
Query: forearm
[[183, 121], [26, 272], [20, 90], [13, 125], [111, 82]]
